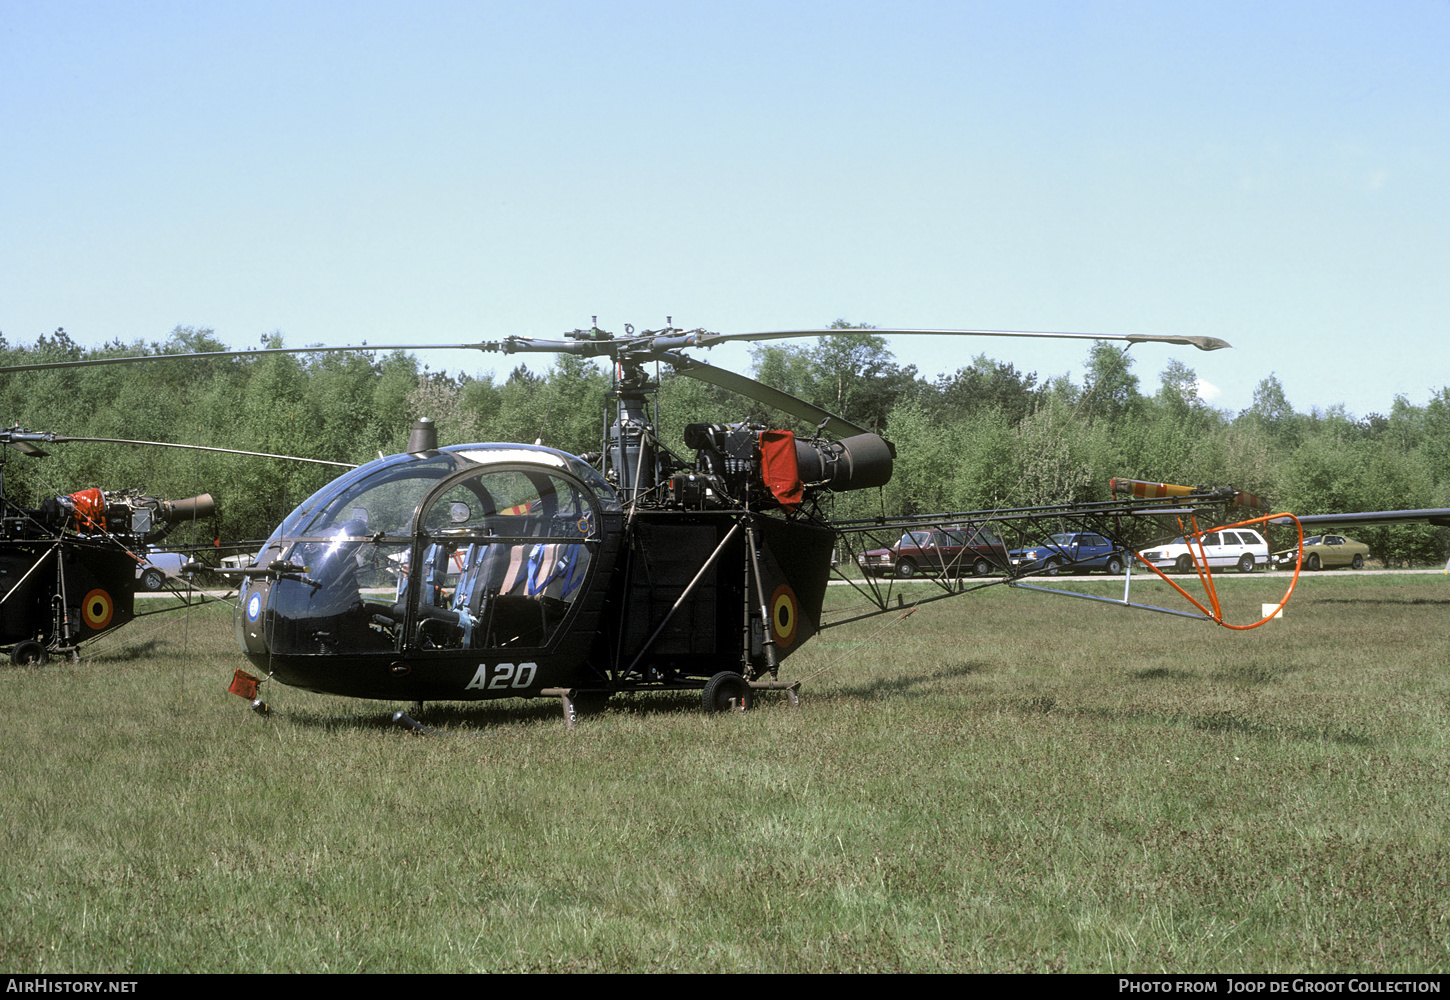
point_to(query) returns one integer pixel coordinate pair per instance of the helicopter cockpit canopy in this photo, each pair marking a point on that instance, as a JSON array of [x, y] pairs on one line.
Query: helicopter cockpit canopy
[[471, 546]]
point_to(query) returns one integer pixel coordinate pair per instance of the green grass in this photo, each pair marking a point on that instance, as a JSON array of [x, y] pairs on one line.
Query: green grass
[[1006, 781]]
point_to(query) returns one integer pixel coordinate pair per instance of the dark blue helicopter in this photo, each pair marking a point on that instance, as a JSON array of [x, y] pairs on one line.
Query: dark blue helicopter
[[481, 571]]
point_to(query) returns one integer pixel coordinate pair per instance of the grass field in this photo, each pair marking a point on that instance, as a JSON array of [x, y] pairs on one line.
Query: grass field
[[1002, 782]]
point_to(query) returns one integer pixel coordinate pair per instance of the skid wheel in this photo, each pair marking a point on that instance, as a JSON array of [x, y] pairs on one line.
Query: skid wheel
[[722, 688], [29, 653]]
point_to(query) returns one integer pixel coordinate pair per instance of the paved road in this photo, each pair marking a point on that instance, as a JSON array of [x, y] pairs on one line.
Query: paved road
[[1218, 574]]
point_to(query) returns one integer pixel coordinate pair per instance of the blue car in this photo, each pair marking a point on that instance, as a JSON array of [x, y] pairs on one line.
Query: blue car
[[1070, 552]]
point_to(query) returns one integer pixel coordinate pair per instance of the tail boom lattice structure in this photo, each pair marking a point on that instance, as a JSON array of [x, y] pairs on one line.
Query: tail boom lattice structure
[[946, 555]]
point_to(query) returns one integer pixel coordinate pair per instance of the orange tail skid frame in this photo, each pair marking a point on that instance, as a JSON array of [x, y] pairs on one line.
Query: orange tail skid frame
[[1205, 575]]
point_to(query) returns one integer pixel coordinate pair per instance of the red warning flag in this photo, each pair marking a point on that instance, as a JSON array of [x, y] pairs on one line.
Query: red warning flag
[[244, 685]]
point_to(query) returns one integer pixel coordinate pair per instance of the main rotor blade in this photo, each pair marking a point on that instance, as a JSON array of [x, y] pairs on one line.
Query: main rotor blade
[[1434, 515], [63, 439], [759, 391], [254, 352], [707, 339], [613, 347]]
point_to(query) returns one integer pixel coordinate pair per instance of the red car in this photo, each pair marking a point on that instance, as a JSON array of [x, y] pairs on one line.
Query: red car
[[956, 552]]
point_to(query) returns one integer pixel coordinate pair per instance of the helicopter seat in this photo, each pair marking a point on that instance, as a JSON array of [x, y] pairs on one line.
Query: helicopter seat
[[497, 570], [511, 591], [502, 590], [435, 573], [485, 569], [466, 596], [556, 569], [507, 562], [435, 609]]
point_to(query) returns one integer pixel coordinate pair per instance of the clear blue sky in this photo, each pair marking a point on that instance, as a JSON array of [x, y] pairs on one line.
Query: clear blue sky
[[1271, 173]]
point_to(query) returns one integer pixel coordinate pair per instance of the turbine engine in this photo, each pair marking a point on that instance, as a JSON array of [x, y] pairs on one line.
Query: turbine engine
[[747, 463]]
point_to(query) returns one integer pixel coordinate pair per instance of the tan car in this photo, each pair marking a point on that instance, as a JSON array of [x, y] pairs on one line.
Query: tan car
[[1325, 552]]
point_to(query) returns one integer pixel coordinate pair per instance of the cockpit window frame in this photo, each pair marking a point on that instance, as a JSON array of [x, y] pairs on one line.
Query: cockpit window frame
[[422, 537]]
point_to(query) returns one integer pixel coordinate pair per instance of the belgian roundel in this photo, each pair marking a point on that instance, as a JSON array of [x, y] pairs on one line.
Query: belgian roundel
[[97, 609], [784, 612]]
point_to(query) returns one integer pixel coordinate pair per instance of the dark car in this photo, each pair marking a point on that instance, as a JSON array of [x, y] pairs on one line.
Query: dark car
[[1075, 552], [955, 552]]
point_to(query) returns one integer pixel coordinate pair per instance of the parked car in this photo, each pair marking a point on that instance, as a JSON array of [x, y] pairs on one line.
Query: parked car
[[1241, 547], [158, 566], [955, 552], [1326, 551], [1074, 552]]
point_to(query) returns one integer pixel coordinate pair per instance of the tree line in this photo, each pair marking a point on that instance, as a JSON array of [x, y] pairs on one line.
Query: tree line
[[984, 437]]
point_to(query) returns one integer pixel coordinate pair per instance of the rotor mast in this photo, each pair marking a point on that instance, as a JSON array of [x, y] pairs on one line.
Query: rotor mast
[[632, 452], [630, 445]]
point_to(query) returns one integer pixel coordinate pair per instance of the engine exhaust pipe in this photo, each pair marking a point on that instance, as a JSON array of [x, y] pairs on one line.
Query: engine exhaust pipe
[[853, 463], [180, 511]]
